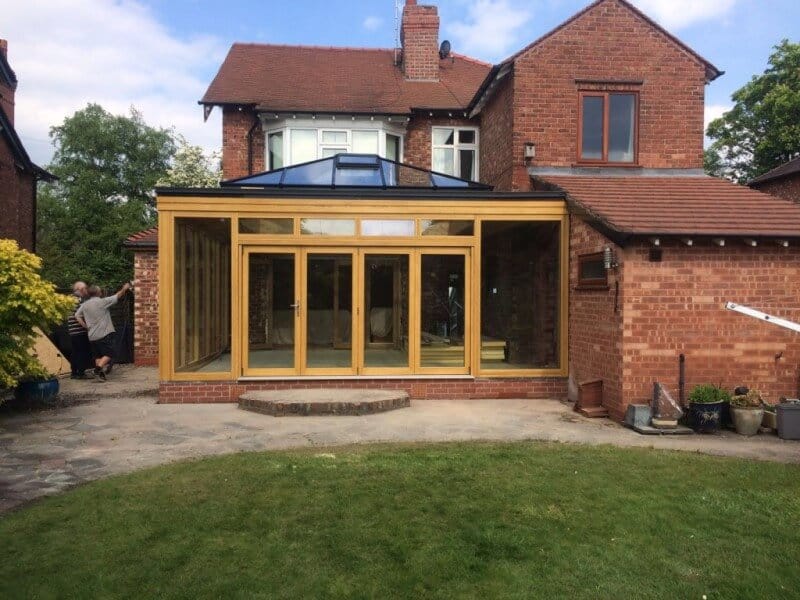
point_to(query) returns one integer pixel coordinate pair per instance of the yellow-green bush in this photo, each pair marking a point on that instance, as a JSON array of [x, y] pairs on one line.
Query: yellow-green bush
[[26, 301]]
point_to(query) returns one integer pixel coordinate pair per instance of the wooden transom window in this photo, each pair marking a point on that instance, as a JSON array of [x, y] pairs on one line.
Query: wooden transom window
[[607, 127], [592, 271]]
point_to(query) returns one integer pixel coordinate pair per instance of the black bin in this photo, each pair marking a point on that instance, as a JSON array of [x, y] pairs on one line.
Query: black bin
[[788, 420]]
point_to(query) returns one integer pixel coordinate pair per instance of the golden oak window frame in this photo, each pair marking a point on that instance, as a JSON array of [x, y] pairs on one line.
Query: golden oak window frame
[[605, 96], [476, 211]]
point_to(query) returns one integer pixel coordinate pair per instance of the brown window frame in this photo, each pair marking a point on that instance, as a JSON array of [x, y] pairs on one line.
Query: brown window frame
[[592, 284], [606, 108]]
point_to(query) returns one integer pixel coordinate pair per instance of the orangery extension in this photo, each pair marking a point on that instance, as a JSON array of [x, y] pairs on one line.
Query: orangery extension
[[413, 218]]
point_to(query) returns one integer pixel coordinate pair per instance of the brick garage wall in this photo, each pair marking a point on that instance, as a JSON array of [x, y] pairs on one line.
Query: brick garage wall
[[428, 389], [609, 43], [496, 152], [595, 319], [677, 306], [16, 200], [236, 124], [786, 187], [145, 308], [417, 149]]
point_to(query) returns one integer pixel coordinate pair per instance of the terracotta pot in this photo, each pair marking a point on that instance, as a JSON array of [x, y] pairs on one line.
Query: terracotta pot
[[747, 420]]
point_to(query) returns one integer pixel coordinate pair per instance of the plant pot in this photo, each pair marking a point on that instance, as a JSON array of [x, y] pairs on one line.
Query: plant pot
[[706, 417], [41, 392], [747, 420], [770, 420]]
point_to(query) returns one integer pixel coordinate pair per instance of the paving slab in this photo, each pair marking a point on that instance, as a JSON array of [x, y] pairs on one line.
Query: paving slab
[[119, 434]]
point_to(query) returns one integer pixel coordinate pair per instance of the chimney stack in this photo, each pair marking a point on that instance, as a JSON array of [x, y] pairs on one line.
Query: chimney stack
[[419, 36], [8, 83]]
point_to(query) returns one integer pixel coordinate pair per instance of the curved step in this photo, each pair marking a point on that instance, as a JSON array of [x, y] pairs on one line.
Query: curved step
[[319, 402]]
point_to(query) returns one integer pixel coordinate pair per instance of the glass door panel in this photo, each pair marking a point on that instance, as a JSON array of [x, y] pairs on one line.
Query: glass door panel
[[329, 311], [271, 312], [386, 314], [443, 312]]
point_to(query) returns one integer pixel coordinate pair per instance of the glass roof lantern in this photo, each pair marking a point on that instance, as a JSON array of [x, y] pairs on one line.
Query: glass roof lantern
[[354, 170]]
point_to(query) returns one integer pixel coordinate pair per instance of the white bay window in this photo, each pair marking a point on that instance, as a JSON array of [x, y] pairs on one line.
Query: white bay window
[[293, 141]]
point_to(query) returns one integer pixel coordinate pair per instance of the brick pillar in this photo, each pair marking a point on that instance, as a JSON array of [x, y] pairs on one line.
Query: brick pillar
[[145, 307], [242, 151]]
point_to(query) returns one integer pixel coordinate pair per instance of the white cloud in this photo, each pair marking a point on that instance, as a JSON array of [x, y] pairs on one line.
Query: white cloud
[[115, 53], [676, 14], [372, 23], [714, 111], [490, 28]]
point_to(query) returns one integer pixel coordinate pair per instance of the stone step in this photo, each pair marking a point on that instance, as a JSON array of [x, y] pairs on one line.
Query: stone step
[[323, 401]]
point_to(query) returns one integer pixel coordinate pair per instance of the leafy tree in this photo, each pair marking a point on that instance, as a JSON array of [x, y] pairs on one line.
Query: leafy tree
[[191, 167], [107, 167], [26, 302], [762, 130]]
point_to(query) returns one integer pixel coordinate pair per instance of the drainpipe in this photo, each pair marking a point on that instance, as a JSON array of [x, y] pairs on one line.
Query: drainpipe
[[250, 145], [682, 380]]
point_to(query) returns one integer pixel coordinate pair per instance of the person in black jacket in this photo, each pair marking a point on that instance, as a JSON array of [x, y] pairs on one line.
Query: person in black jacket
[[80, 356]]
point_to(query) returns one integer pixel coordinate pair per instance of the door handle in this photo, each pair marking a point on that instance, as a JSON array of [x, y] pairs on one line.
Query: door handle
[[296, 307]]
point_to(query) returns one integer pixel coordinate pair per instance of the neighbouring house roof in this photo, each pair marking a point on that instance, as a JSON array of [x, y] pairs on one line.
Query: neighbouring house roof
[[7, 73], [703, 206], [785, 170], [500, 70], [18, 150], [143, 239], [355, 171], [338, 80]]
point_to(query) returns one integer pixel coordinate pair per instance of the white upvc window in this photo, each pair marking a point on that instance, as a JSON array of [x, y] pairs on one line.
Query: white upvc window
[[455, 151], [294, 141]]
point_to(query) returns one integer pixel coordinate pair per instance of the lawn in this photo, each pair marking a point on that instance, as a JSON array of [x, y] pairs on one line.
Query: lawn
[[526, 520]]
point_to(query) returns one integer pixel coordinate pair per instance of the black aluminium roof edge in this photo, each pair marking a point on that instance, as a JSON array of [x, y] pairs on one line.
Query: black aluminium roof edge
[[360, 192]]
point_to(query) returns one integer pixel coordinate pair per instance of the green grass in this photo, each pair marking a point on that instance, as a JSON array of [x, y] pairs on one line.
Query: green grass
[[442, 521]]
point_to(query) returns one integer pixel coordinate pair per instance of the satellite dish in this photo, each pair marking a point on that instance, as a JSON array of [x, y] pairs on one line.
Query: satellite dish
[[444, 49]]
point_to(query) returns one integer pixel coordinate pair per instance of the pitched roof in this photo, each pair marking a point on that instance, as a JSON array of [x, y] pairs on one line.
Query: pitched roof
[[24, 161], [326, 79], [143, 239], [789, 168], [665, 206]]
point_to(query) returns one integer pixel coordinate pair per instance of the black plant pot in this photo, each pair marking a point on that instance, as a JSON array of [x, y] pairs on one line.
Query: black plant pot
[[706, 418]]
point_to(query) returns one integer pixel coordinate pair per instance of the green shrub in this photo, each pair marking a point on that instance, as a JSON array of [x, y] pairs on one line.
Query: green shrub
[[27, 302], [708, 394]]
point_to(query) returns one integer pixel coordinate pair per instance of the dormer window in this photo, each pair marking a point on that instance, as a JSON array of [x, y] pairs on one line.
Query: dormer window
[[607, 127]]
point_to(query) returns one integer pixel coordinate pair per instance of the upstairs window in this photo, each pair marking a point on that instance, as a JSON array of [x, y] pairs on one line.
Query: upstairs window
[[608, 127], [455, 151]]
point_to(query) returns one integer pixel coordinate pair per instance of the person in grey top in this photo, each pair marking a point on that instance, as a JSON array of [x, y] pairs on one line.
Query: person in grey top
[[94, 315]]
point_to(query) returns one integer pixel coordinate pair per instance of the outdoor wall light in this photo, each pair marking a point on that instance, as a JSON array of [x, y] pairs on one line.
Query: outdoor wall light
[[609, 259], [530, 150]]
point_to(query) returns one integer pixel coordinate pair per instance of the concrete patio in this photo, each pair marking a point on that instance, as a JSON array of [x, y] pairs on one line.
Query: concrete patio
[[117, 427]]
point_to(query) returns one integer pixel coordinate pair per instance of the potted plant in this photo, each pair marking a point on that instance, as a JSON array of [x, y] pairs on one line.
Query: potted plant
[[705, 407], [748, 412]]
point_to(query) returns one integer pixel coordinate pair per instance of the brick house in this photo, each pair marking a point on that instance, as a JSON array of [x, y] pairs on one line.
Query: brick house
[[782, 181], [18, 174], [601, 249]]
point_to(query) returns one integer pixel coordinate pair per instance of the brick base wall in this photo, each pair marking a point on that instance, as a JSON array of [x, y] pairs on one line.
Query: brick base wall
[[145, 308], [203, 392]]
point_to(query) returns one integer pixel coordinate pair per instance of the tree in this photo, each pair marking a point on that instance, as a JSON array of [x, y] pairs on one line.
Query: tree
[[107, 167], [191, 167], [762, 130], [26, 302]]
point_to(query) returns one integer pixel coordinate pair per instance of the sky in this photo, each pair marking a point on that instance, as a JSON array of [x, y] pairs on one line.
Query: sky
[[160, 55]]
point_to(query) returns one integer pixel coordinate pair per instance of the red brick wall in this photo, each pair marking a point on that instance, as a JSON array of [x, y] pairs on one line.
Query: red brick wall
[[677, 306], [431, 389], [785, 187], [16, 200], [496, 149], [417, 148], [420, 39], [609, 43], [595, 319], [235, 126], [145, 307]]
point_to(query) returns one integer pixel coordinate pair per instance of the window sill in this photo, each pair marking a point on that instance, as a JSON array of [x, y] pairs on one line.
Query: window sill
[[625, 165], [591, 288]]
